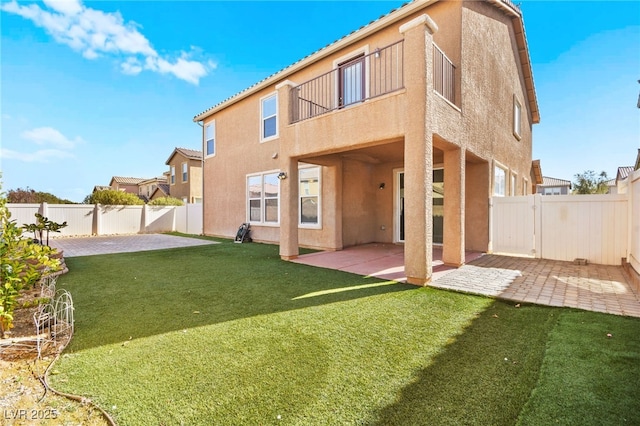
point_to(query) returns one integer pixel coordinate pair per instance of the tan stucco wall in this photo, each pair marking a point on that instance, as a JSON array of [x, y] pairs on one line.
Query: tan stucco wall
[[491, 78], [477, 129], [192, 188]]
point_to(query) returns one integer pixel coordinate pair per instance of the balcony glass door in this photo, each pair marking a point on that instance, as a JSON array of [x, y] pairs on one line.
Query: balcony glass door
[[351, 81]]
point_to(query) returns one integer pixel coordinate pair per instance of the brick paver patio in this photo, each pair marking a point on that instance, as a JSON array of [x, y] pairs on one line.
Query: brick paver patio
[[547, 282]]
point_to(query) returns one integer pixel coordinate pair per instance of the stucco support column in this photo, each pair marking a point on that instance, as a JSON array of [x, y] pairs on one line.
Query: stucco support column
[[288, 185], [418, 148], [454, 207], [332, 203], [289, 210]]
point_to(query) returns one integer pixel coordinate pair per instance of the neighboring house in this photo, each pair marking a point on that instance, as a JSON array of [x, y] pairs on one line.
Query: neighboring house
[[185, 175], [611, 187], [399, 132], [100, 188], [162, 190], [553, 186], [125, 184], [619, 183], [147, 187]]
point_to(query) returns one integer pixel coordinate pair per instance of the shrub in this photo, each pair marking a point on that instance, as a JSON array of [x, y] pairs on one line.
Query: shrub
[[114, 197], [23, 263], [166, 201]]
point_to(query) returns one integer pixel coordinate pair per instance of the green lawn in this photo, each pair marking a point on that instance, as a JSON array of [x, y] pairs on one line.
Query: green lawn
[[229, 334]]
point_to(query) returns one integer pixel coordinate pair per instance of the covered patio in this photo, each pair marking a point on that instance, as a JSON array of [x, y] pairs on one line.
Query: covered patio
[[380, 260]]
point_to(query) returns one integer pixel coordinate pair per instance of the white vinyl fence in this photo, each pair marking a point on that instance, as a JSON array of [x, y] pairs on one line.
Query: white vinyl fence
[[89, 219], [603, 229]]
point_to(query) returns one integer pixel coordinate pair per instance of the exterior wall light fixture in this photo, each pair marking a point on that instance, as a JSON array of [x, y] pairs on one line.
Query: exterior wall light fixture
[[282, 175], [381, 186]]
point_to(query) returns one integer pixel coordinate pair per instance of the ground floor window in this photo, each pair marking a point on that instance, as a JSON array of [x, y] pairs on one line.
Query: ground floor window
[[263, 195], [309, 193]]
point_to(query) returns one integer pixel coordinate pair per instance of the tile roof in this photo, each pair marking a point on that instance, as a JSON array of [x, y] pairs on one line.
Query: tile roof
[[623, 172], [191, 154], [163, 189], [127, 180], [159, 179], [549, 181]]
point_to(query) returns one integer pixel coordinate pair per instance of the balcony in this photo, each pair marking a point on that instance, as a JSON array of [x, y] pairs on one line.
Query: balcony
[[357, 80], [444, 75]]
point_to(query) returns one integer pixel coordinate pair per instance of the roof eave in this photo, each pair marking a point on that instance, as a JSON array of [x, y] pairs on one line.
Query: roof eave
[[523, 52], [374, 26]]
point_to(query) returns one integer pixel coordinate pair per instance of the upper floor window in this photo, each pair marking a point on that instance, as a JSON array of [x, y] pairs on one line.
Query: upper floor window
[[517, 118], [269, 117], [210, 139], [499, 181], [309, 193], [173, 175], [263, 195], [185, 172]]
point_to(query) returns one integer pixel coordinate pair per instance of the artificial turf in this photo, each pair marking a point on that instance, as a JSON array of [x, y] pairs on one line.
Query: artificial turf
[[230, 334]]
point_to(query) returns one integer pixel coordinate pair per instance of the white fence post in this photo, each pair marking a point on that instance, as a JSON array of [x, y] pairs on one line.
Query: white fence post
[[44, 209], [490, 245], [537, 225], [97, 219]]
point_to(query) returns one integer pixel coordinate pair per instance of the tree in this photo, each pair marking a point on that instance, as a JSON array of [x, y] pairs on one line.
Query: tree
[[114, 197], [589, 183], [166, 201], [32, 196]]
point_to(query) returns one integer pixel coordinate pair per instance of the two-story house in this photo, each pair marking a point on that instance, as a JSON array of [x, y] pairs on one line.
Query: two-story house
[[125, 184], [147, 187], [396, 133], [185, 175]]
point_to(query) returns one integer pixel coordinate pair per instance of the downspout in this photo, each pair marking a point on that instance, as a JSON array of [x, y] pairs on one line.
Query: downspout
[[201, 124]]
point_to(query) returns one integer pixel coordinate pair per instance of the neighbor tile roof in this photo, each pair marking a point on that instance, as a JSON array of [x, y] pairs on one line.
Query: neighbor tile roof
[[190, 154], [549, 181], [127, 180], [623, 172]]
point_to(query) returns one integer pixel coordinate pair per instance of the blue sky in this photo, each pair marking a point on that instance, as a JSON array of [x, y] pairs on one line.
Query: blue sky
[[117, 93]]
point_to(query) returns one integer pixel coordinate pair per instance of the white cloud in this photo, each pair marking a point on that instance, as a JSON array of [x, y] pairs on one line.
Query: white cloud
[[131, 66], [67, 7], [54, 146], [48, 136], [40, 156], [94, 33]]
